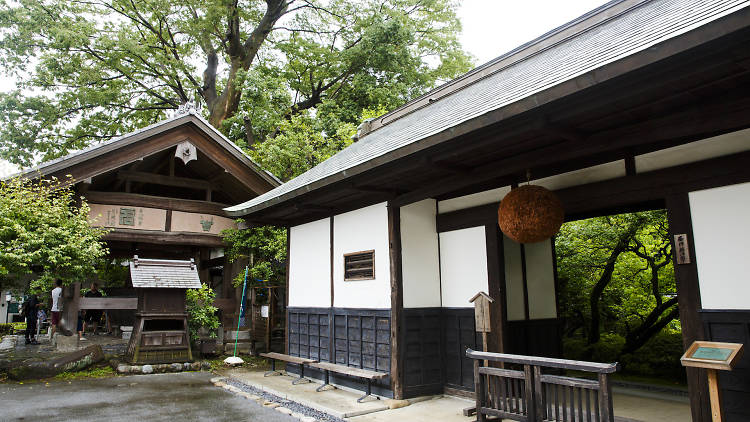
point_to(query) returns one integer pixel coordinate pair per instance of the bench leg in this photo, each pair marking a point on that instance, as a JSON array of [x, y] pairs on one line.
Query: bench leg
[[369, 392], [319, 389], [273, 370], [301, 375]]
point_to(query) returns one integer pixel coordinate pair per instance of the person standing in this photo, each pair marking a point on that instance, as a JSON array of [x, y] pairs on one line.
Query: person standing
[[92, 315], [56, 306], [30, 307]]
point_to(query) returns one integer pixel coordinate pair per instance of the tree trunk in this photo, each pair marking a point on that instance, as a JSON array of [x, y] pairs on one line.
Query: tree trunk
[[650, 326]]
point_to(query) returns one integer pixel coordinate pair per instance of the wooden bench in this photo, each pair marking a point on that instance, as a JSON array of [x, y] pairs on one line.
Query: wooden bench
[[347, 370], [290, 359]]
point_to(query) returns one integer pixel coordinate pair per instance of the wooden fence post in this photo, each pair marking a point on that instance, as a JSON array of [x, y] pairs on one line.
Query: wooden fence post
[[478, 391], [605, 398]]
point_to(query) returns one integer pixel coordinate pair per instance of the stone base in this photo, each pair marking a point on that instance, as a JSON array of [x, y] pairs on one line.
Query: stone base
[[65, 343]]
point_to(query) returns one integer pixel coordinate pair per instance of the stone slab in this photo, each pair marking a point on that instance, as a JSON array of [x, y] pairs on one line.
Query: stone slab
[[337, 402]]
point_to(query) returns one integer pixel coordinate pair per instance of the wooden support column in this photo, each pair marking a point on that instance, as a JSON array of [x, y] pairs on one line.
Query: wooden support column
[[689, 302], [286, 298], [496, 287], [397, 301]]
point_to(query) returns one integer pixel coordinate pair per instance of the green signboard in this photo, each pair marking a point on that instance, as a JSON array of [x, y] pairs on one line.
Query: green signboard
[[12, 308], [712, 353]]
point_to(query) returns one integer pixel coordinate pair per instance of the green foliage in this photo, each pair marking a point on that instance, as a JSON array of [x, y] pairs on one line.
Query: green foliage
[[660, 357], [637, 303], [44, 235], [266, 245], [94, 372], [88, 71], [201, 312], [300, 145], [6, 329], [112, 273]]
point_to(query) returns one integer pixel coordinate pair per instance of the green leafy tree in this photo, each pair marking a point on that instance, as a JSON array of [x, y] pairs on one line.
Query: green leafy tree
[[617, 277], [90, 70], [201, 312], [265, 248], [45, 235]]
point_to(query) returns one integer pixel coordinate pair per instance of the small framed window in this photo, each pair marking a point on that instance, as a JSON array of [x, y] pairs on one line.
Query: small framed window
[[359, 266]]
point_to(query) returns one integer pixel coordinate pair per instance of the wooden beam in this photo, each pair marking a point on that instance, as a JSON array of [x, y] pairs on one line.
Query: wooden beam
[[695, 123], [164, 238], [397, 302], [158, 179], [161, 202], [108, 303], [496, 287], [286, 295]]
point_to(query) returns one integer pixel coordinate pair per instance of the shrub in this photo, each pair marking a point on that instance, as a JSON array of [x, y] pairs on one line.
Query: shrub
[[201, 312], [6, 329]]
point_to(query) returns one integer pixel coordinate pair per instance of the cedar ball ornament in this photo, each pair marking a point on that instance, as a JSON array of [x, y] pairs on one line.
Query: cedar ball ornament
[[530, 214]]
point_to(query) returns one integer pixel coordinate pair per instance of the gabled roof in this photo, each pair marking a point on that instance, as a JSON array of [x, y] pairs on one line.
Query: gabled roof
[[189, 116], [616, 31], [164, 273]]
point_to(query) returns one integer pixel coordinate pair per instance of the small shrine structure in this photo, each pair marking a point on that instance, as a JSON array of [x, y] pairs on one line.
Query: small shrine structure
[[160, 333]]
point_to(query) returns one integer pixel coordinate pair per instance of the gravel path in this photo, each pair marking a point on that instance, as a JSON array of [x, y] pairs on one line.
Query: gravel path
[[294, 406]]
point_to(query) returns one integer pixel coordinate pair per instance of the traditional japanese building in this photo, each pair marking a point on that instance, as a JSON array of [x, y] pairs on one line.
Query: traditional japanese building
[[636, 105], [161, 191]]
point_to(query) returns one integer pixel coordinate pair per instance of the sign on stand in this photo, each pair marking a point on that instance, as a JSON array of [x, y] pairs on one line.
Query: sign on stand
[[713, 356]]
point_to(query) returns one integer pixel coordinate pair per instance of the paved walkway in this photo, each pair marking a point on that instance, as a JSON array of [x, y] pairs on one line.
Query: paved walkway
[[187, 396], [629, 405]]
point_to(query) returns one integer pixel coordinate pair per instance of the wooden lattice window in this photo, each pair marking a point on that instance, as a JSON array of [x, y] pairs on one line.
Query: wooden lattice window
[[359, 266]]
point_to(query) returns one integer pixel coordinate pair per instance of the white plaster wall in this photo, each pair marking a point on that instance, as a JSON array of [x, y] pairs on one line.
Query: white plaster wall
[[419, 254], [463, 266], [540, 280], [362, 230], [721, 229], [473, 200], [726, 144], [513, 280], [583, 176], [310, 265]]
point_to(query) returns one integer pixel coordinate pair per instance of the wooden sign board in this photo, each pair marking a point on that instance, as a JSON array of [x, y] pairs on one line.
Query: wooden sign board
[[712, 355], [481, 303]]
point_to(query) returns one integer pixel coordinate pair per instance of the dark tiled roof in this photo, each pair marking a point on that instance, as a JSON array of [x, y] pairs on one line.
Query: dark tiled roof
[[609, 39]]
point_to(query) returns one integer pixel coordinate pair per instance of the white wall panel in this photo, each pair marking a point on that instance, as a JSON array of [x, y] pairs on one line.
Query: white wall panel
[[513, 280], [362, 230], [419, 254], [463, 266], [540, 280], [721, 229], [473, 200], [729, 143], [310, 265]]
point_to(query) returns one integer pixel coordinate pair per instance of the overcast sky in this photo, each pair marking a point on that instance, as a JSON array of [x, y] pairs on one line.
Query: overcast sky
[[490, 28]]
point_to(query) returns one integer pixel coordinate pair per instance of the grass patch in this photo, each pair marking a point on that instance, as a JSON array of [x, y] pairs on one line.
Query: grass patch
[[98, 372]]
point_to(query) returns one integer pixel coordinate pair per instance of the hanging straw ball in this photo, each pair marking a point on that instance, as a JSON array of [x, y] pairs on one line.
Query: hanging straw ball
[[530, 214]]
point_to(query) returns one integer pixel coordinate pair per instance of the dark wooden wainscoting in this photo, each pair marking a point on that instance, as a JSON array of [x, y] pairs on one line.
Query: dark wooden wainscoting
[[536, 337], [423, 360], [359, 338], [732, 327], [458, 335], [436, 340]]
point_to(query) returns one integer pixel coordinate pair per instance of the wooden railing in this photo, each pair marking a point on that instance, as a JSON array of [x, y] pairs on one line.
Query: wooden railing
[[530, 395]]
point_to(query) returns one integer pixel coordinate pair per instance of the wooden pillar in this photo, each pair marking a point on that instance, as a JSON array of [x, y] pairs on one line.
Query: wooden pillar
[[496, 288], [397, 301], [286, 296], [689, 302]]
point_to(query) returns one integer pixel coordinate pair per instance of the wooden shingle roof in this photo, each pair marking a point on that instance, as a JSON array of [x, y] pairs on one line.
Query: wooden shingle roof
[[164, 273]]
